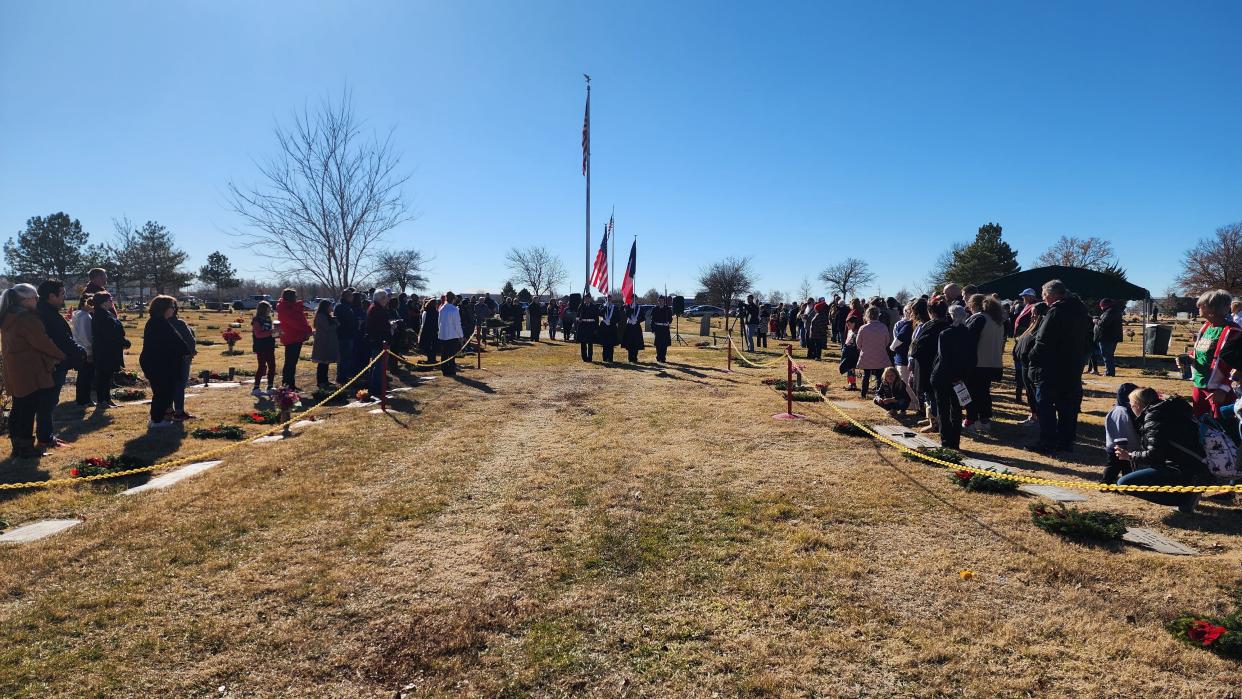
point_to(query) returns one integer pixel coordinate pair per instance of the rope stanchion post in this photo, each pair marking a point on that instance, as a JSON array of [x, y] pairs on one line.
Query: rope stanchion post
[[384, 379], [789, 414], [478, 350]]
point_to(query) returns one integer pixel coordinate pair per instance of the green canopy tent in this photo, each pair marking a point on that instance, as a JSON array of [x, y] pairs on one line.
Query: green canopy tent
[[1086, 283]]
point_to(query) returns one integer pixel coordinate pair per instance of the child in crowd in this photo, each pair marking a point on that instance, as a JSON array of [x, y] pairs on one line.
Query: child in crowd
[[851, 347], [892, 394], [1119, 430], [264, 346]]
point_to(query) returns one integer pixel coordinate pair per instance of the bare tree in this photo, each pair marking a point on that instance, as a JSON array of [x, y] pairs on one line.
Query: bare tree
[[775, 297], [402, 268], [805, 291], [326, 199], [724, 280], [1087, 253], [1214, 263], [846, 277], [535, 267]]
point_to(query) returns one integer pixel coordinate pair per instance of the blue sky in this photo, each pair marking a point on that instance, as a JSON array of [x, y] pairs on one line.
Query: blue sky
[[797, 134]]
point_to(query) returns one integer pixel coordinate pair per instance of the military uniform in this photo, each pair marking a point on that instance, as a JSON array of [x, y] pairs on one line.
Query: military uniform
[[632, 336], [661, 320], [588, 320], [610, 319]]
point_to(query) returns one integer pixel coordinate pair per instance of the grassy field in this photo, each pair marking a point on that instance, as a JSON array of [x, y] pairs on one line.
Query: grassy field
[[545, 527]]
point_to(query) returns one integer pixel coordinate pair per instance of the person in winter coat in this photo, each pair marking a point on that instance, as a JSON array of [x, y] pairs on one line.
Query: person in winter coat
[[81, 325], [429, 334], [611, 328], [1120, 431], [108, 345], [51, 301], [263, 333], [379, 332], [955, 358], [1060, 345], [817, 330], [1022, 361], [1168, 450], [346, 334], [183, 379], [924, 347], [466, 313], [1108, 334], [30, 359], [1021, 321], [534, 314], [841, 311], [891, 392], [294, 331], [162, 358], [987, 327], [327, 347], [873, 340]]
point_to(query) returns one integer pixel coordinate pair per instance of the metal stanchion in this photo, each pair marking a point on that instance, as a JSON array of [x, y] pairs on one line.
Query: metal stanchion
[[384, 379]]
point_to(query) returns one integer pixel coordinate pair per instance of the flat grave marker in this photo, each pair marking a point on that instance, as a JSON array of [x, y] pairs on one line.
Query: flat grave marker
[[168, 479], [37, 530], [904, 436], [1053, 492], [1151, 539]]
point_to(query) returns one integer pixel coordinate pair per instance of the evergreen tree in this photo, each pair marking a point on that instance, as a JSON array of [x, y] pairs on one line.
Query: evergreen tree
[[49, 248], [983, 260], [508, 291], [218, 273], [524, 295]]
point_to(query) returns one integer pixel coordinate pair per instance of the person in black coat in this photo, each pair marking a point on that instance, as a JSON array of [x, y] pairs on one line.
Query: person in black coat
[[163, 357], [1168, 453], [108, 345], [429, 333], [923, 350], [661, 324], [610, 321], [466, 311], [955, 359], [1056, 362], [632, 334], [588, 320], [535, 311], [1108, 334]]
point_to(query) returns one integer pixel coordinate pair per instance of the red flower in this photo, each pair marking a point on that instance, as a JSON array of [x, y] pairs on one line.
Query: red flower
[[1204, 632], [963, 475], [73, 472]]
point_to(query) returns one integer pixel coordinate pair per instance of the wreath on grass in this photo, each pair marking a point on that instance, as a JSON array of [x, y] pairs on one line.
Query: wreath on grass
[[247, 373], [232, 432], [849, 429], [129, 394], [126, 378], [941, 453], [1221, 636], [261, 417], [207, 375], [1073, 523], [982, 482], [98, 466], [702, 344], [805, 395]]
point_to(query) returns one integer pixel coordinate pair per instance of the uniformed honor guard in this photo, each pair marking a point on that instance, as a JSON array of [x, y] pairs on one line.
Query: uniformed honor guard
[[588, 319], [632, 338], [610, 319], [661, 320]]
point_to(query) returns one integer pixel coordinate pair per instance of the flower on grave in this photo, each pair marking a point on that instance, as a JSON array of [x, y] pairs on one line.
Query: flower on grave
[[963, 475], [362, 394], [822, 388], [73, 473], [966, 574], [285, 398], [1204, 632]]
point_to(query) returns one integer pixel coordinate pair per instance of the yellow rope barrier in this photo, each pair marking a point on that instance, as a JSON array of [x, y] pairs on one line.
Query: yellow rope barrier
[[1079, 485], [193, 457], [422, 365]]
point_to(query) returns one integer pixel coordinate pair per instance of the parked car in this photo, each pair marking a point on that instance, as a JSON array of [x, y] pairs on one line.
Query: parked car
[[252, 302], [705, 310]]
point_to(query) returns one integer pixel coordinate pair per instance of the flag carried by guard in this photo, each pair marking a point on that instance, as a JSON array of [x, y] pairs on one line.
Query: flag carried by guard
[[627, 283], [599, 275]]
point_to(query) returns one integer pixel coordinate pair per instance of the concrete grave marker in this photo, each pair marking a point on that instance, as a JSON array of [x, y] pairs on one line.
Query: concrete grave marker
[[1157, 542], [305, 423], [1053, 492], [168, 479], [224, 384], [267, 440], [904, 436], [989, 465], [37, 530], [847, 404]]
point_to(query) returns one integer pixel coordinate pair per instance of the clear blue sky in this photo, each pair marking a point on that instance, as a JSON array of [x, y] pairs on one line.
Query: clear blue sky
[[798, 134]]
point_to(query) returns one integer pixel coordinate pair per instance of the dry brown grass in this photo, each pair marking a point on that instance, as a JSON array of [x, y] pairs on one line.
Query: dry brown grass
[[555, 528]]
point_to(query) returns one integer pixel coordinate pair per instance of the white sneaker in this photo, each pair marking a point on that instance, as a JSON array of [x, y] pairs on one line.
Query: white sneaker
[[151, 424]]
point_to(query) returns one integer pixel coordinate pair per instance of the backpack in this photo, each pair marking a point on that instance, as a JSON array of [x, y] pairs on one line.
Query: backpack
[[1220, 454]]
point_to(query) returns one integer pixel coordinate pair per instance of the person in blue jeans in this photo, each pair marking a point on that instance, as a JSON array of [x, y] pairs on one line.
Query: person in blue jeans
[[1168, 452], [1055, 367]]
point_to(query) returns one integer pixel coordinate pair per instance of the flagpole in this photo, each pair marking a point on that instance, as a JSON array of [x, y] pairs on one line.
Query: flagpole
[[612, 254], [587, 257]]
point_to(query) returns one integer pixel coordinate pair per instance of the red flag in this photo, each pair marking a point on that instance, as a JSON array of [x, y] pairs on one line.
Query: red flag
[[586, 134], [599, 275], [627, 283]]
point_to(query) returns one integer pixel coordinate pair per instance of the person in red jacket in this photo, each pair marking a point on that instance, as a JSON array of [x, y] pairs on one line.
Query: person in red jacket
[[294, 330]]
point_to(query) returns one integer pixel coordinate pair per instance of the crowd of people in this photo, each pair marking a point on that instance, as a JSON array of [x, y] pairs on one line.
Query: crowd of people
[[938, 355]]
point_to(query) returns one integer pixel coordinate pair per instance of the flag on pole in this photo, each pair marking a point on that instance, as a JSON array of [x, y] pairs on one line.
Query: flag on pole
[[599, 275], [627, 283], [586, 134]]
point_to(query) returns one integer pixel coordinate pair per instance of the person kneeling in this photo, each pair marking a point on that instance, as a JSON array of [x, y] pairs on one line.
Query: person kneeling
[[1168, 452], [892, 394]]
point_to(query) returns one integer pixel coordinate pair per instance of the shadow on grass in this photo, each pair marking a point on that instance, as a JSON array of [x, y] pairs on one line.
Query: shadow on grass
[[472, 383], [1212, 518]]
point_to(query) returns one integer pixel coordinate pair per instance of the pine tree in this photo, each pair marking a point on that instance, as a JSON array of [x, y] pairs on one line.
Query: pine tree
[[219, 273], [983, 260], [49, 248], [508, 291]]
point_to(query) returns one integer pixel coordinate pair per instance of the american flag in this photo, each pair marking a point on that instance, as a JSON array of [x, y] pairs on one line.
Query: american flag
[[599, 275], [586, 135], [627, 283]]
